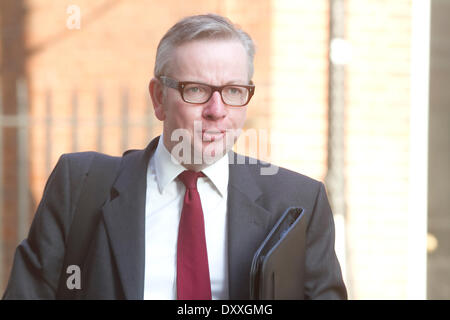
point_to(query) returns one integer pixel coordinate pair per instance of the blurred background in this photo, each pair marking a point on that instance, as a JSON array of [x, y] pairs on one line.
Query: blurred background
[[354, 93]]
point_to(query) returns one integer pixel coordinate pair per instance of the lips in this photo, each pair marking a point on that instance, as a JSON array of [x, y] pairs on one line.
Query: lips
[[212, 135]]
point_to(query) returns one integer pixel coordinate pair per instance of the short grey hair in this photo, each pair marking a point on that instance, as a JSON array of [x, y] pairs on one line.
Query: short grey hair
[[201, 27]]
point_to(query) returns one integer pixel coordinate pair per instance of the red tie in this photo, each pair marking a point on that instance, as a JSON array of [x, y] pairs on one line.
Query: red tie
[[193, 281]]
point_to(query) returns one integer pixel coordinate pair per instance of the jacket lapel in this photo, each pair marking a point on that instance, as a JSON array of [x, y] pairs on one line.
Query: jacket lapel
[[248, 224], [124, 217]]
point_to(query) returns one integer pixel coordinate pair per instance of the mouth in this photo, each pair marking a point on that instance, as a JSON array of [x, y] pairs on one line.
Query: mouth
[[212, 135]]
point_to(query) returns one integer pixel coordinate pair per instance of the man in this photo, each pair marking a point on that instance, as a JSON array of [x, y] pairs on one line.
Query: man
[[140, 247]]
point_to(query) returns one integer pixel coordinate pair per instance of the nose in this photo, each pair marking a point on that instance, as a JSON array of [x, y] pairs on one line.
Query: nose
[[214, 108]]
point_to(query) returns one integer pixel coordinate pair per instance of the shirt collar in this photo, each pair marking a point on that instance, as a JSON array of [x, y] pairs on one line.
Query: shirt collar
[[167, 169], [218, 174]]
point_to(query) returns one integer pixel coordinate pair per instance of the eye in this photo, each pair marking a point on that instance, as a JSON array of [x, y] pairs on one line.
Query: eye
[[195, 89], [234, 90]]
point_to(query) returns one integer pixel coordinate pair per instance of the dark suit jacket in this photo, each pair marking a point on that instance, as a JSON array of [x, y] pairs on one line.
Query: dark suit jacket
[[114, 263]]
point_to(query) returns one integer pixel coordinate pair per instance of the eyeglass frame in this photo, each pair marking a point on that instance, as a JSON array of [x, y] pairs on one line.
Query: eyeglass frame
[[179, 85]]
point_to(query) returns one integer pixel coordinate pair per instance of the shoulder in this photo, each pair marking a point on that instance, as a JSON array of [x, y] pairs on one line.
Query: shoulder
[[85, 156], [82, 160], [266, 172], [72, 168], [275, 180]]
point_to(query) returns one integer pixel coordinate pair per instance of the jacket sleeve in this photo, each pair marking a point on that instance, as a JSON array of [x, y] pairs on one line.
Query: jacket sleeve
[[323, 278], [38, 259]]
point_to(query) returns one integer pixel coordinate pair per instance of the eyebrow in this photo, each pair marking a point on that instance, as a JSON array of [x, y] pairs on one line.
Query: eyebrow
[[231, 82]]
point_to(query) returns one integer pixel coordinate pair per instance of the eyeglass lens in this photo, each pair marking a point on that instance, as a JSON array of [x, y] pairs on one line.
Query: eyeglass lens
[[198, 93]]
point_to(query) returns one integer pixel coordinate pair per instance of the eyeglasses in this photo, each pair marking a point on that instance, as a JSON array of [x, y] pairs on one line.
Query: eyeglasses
[[235, 95]]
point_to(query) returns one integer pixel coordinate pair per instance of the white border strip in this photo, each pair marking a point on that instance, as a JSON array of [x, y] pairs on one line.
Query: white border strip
[[418, 161]]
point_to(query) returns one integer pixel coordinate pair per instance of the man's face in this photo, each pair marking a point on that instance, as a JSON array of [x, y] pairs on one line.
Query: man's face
[[212, 126]]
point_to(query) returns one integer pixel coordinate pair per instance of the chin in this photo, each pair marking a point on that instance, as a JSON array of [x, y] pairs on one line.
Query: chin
[[211, 152]]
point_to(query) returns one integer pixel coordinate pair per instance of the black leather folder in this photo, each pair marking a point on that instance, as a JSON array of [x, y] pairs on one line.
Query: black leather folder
[[277, 270]]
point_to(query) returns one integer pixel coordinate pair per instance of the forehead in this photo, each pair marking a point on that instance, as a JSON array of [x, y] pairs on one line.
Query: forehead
[[212, 60]]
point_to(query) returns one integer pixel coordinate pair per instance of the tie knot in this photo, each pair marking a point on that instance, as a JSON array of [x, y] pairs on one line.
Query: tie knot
[[189, 178]]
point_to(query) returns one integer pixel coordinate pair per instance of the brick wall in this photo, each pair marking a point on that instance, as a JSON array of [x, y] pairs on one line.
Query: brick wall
[[12, 71], [377, 129], [299, 85]]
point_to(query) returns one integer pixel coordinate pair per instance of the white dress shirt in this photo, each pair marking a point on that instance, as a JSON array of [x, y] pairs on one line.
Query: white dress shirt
[[164, 201]]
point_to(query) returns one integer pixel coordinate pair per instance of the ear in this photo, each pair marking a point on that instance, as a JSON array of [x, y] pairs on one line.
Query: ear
[[157, 94]]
